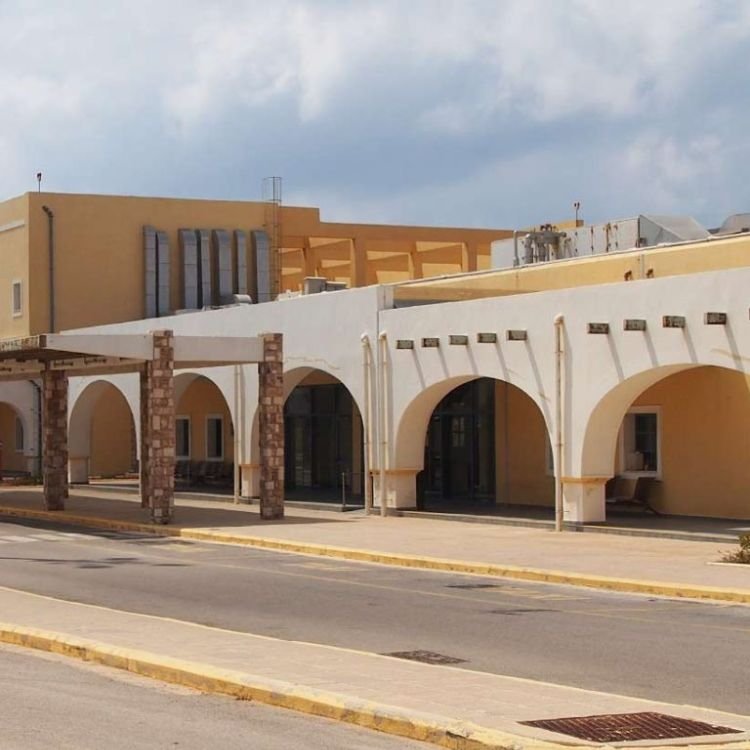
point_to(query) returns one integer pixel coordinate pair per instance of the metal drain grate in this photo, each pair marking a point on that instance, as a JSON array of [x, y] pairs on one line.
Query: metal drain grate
[[426, 657], [472, 586], [629, 727]]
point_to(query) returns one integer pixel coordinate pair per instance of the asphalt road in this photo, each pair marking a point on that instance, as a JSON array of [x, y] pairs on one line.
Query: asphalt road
[[675, 651], [52, 702]]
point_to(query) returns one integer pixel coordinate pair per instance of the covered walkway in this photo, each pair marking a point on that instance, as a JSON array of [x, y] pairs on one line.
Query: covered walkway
[[52, 358]]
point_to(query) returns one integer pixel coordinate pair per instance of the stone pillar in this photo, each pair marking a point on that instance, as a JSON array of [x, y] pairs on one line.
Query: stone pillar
[[55, 425], [271, 422], [583, 500], [143, 464], [158, 429]]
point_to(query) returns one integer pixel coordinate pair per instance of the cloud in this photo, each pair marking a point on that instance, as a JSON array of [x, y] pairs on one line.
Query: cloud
[[466, 112]]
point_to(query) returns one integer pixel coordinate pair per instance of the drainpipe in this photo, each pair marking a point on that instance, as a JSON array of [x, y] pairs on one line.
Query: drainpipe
[[516, 261], [559, 323], [237, 427], [383, 421], [38, 391], [51, 250], [367, 365]]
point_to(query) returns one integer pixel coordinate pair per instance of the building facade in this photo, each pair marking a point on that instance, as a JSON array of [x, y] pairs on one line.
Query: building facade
[[469, 390]]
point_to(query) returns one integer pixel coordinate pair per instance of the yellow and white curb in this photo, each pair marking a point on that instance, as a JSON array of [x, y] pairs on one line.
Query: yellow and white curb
[[442, 731], [538, 575]]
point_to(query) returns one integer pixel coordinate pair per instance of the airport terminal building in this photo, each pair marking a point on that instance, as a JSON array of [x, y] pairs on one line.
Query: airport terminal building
[[445, 370]]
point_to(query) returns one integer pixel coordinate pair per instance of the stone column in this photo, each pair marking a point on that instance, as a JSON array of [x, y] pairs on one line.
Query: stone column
[[271, 422], [158, 430], [143, 464], [55, 425]]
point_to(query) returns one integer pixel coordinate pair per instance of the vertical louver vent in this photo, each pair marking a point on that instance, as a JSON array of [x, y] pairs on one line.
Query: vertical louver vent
[[189, 252], [240, 239], [223, 260], [149, 271]]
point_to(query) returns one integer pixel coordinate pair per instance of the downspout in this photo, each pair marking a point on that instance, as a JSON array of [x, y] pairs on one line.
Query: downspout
[[51, 250], [383, 342], [559, 323], [38, 391], [367, 365], [516, 261], [237, 427]]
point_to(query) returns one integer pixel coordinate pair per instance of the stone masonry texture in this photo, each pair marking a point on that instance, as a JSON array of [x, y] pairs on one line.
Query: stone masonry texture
[[158, 429], [55, 427], [271, 421]]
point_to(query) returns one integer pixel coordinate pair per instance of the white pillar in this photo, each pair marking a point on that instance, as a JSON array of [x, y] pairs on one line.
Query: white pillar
[[583, 500]]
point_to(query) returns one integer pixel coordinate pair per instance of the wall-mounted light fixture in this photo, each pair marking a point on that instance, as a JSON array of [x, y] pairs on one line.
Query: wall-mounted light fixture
[[673, 321], [458, 339], [634, 324], [430, 342], [518, 334], [715, 319], [598, 328], [486, 338], [404, 343]]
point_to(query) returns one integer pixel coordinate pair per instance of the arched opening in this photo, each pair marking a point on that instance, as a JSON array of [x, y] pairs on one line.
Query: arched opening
[[204, 446], [13, 442], [684, 431], [323, 451], [102, 439], [486, 450]]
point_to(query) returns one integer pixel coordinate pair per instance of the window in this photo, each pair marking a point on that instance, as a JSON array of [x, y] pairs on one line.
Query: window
[[182, 444], [640, 442], [214, 438], [20, 437], [17, 299]]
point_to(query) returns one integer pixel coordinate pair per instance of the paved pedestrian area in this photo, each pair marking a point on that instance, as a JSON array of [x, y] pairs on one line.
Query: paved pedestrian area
[[479, 705], [626, 558]]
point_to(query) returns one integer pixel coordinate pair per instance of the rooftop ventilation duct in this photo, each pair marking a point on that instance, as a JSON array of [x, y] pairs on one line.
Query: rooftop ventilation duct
[[735, 224]]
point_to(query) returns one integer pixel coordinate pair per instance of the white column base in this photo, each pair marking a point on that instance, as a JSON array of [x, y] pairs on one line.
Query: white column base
[[250, 481], [78, 470], [583, 500], [400, 487]]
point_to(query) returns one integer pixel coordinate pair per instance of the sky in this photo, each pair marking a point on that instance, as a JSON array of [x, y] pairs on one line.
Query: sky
[[481, 113]]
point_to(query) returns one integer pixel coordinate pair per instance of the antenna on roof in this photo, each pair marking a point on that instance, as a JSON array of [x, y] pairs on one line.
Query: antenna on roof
[[577, 208], [39, 182]]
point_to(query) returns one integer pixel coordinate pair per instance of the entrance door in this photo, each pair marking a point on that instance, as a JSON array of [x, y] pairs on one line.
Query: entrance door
[[459, 449], [319, 444]]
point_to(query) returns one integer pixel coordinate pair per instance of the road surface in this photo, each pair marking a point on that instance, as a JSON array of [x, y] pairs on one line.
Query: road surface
[[660, 649]]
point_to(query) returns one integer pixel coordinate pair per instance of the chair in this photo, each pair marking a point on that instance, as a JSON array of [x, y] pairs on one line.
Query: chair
[[639, 496]]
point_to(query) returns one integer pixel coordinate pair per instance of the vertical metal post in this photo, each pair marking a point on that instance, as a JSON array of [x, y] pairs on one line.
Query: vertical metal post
[[559, 322]]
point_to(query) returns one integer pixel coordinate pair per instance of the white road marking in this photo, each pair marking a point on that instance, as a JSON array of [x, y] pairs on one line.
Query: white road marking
[[59, 536], [19, 539]]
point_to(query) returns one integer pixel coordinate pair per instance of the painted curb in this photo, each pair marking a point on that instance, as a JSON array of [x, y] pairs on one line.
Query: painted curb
[[437, 730], [445, 732], [538, 575]]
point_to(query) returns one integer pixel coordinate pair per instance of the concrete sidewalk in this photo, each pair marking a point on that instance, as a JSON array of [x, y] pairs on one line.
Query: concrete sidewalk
[[659, 566], [449, 706]]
